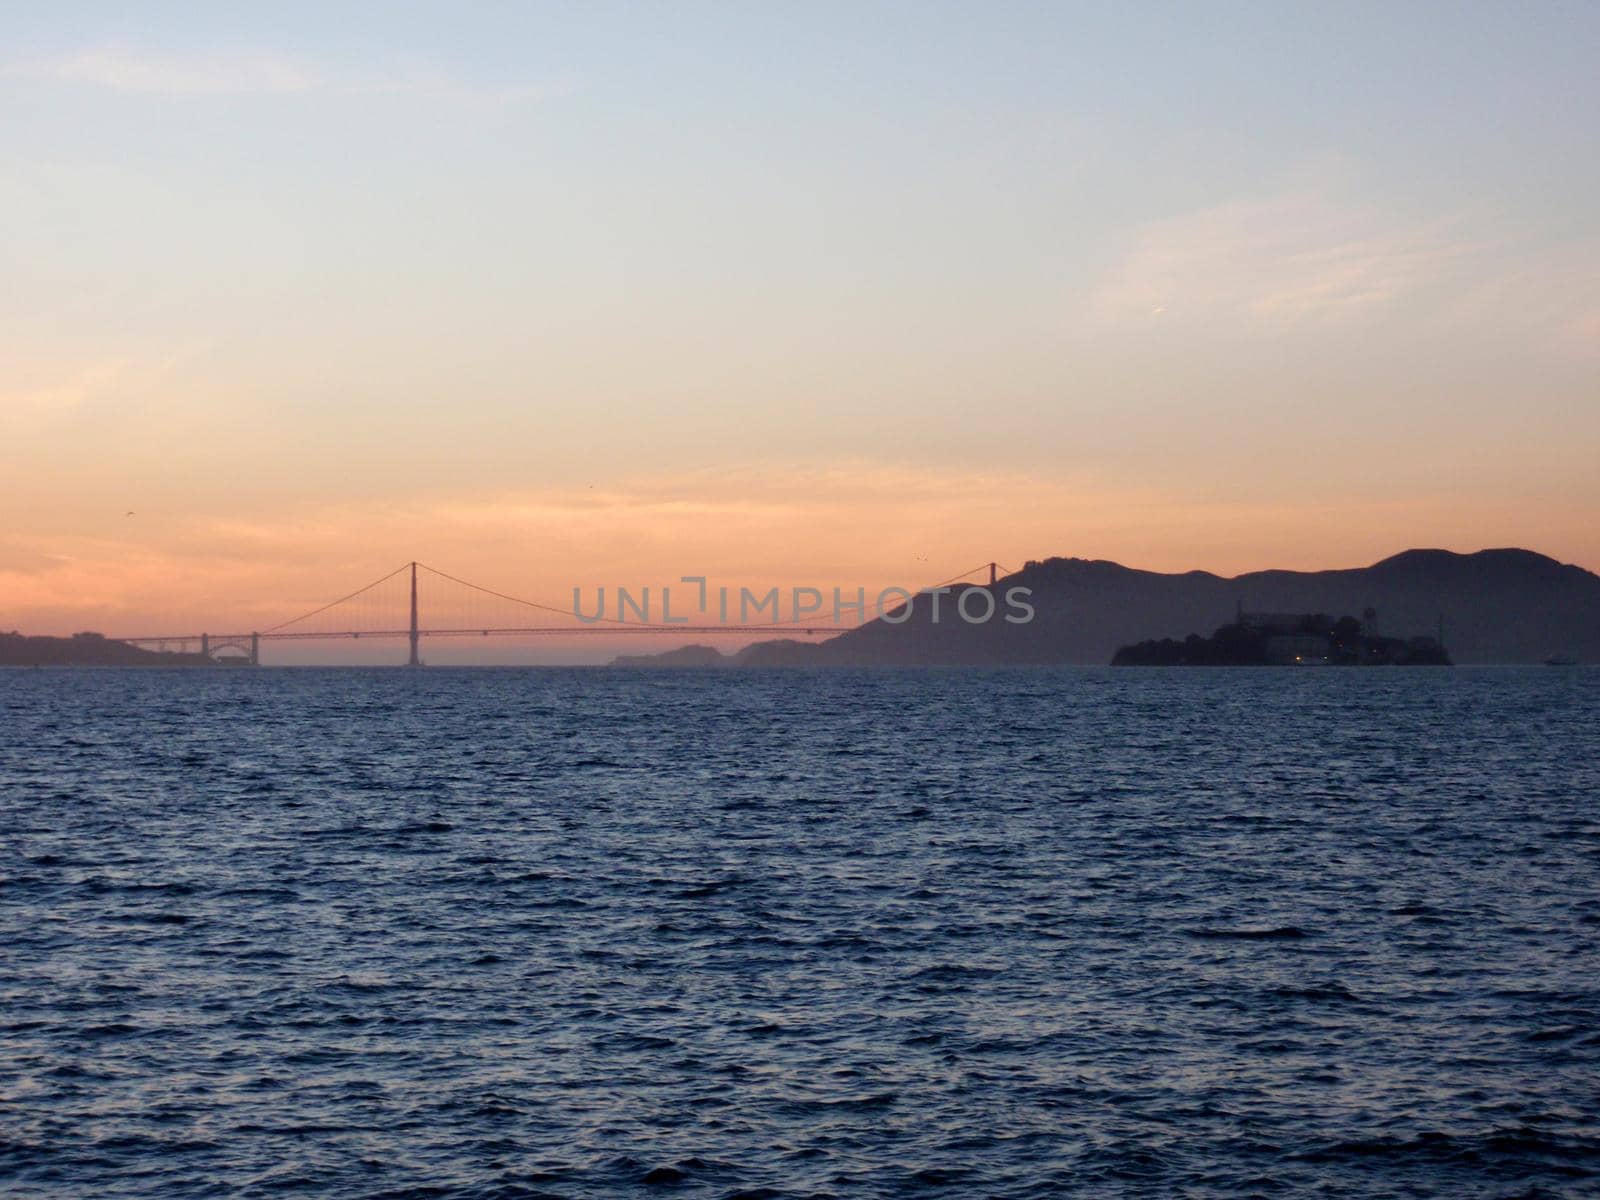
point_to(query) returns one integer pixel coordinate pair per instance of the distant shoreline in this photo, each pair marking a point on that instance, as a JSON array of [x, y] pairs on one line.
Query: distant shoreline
[[90, 650]]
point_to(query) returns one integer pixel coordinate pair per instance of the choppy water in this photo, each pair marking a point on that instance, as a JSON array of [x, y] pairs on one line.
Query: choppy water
[[1016, 934]]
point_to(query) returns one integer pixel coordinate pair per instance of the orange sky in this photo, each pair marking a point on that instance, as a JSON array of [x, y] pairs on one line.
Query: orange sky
[[853, 525], [582, 301]]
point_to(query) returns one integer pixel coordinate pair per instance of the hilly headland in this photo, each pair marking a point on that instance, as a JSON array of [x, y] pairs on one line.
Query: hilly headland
[[1494, 606]]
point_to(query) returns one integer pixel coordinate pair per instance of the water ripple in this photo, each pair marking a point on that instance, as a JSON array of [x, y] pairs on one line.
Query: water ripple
[[789, 934]]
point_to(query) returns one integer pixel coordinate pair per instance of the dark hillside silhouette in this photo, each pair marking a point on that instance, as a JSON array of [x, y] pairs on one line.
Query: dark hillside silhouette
[[86, 650], [1498, 606]]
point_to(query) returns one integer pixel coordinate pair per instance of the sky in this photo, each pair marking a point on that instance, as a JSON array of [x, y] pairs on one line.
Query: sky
[[569, 295]]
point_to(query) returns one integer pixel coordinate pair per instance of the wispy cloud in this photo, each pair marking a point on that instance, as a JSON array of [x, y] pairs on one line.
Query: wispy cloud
[[223, 73], [67, 393], [126, 70], [1550, 294], [40, 395], [1294, 258], [1312, 258]]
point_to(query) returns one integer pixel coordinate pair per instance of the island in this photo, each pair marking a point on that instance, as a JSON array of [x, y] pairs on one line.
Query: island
[[683, 656], [1288, 639]]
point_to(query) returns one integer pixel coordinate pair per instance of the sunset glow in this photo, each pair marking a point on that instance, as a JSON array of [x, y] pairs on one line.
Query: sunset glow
[[561, 299]]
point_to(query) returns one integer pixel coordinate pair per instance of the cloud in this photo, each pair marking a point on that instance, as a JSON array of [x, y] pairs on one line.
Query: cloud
[[125, 70], [65, 394], [1313, 259], [46, 394], [1551, 294], [141, 71], [1291, 259]]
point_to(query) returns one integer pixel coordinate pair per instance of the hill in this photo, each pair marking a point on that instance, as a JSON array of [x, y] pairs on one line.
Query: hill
[[1498, 606], [86, 650]]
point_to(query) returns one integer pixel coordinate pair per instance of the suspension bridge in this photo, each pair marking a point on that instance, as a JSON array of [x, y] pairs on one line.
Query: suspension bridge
[[391, 607]]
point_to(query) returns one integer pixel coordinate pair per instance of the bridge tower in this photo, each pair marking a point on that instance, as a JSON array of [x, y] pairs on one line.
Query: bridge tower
[[255, 649], [992, 569], [415, 661]]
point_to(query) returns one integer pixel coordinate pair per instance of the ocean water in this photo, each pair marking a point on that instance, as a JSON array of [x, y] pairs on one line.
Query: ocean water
[[885, 933]]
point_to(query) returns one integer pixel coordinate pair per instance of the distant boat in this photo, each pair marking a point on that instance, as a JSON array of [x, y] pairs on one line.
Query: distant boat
[[1557, 660]]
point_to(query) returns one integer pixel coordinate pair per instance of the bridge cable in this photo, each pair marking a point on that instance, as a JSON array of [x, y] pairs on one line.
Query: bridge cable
[[341, 600], [765, 627]]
